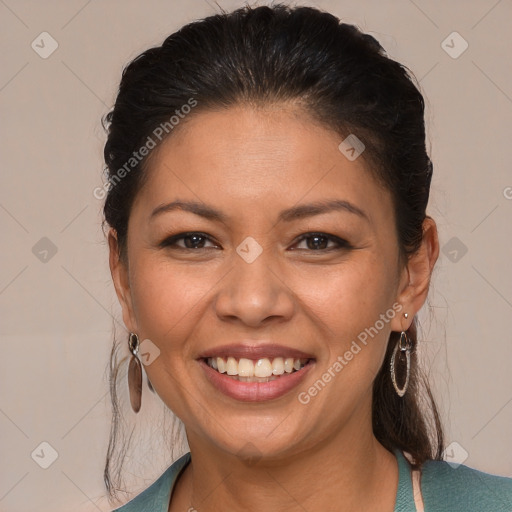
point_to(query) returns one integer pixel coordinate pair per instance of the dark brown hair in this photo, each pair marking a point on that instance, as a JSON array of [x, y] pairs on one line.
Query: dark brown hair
[[342, 78]]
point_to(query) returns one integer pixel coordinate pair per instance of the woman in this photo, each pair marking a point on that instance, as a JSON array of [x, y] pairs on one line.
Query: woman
[[268, 182]]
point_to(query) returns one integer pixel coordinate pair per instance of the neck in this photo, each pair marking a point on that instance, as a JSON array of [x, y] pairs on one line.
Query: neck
[[351, 469]]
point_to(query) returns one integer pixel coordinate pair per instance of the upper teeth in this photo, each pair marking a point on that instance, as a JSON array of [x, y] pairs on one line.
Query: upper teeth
[[259, 368]]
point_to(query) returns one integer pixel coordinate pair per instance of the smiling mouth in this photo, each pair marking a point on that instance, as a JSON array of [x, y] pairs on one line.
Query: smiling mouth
[[260, 370]]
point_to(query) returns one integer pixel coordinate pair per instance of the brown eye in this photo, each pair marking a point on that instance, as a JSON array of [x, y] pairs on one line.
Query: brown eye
[[192, 241], [319, 242]]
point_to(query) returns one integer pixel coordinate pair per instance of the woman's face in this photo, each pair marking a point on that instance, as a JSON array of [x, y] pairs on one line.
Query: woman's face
[[247, 277]]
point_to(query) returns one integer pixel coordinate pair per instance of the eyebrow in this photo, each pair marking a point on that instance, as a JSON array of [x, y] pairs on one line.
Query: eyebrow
[[288, 215]]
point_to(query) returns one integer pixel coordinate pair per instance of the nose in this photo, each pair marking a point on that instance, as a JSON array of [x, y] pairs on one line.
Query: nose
[[255, 293]]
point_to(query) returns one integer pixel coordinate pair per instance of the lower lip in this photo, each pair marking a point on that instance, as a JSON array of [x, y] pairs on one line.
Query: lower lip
[[255, 391]]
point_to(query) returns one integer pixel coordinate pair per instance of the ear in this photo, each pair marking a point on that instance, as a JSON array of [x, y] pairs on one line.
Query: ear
[[120, 277], [415, 278]]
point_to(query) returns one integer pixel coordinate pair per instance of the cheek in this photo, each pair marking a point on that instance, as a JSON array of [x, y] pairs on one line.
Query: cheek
[[166, 299], [167, 302], [355, 305], [353, 295]]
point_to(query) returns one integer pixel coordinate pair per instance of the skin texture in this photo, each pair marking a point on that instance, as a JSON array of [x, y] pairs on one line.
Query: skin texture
[[251, 164]]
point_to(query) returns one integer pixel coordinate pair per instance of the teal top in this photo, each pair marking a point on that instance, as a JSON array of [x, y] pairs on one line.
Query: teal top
[[445, 488]]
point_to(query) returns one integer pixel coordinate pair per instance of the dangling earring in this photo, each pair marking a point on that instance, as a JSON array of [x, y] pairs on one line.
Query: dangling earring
[[134, 373], [404, 343]]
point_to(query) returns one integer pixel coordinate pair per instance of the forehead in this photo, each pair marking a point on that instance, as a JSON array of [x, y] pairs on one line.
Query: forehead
[[244, 158]]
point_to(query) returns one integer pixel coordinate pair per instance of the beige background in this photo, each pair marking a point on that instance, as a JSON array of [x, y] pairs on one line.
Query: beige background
[[57, 315]]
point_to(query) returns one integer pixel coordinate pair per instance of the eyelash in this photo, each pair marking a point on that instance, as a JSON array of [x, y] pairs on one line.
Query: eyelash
[[171, 241]]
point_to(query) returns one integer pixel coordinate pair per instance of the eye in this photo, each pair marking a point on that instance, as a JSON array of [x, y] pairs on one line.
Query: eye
[[193, 241], [317, 242]]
